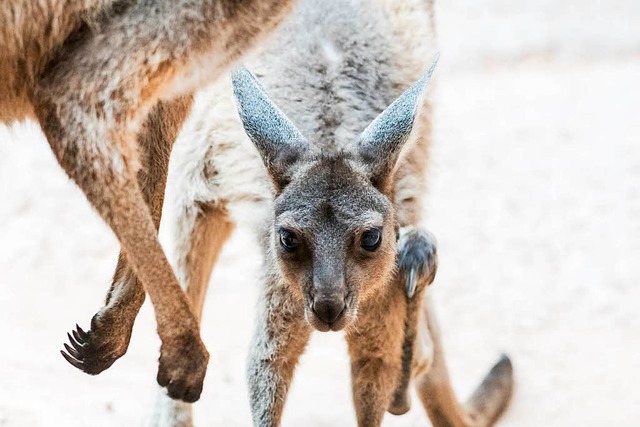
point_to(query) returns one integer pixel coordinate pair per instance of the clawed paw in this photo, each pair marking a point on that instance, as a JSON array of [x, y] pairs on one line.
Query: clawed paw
[[97, 349], [183, 366], [417, 259]]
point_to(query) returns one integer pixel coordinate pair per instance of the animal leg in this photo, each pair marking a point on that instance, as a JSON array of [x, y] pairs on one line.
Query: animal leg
[[279, 339], [200, 231], [486, 403], [417, 261], [375, 349], [90, 102], [108, 338], [106, 172]]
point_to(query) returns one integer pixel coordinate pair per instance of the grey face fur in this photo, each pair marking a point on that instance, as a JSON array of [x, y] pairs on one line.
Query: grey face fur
[[334, 230]]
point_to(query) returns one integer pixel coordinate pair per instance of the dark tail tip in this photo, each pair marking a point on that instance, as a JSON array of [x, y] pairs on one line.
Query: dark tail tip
[[492, 396], [503, 367]]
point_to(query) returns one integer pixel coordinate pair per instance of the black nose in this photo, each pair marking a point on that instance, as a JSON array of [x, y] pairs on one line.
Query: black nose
[[328, 309]]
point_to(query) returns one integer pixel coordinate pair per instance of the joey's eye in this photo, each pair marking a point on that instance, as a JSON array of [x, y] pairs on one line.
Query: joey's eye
[[371, 239], [288, 240]]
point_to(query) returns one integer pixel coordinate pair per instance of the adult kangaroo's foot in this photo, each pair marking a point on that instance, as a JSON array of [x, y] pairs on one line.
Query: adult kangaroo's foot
[[108, 338], [98, 348], [183, 365]]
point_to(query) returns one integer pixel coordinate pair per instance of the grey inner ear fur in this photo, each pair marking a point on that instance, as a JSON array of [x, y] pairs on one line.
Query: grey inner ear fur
[[381, 142], [277, 139]]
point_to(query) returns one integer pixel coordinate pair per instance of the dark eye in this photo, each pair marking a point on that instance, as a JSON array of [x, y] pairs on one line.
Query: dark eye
[[288, 240], [371, 239]]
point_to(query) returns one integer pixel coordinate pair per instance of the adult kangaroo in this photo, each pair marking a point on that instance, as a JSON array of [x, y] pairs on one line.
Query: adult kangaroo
[[89, 71]]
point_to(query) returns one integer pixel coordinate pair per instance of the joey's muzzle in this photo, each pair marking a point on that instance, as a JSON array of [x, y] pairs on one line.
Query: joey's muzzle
[[328, 305], [329, 309]]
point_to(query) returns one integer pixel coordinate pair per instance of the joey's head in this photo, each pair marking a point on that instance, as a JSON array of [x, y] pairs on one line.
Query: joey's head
[[333, 236]]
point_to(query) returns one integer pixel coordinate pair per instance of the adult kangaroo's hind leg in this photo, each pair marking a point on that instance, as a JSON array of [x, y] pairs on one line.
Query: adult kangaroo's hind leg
[[486, 403], [108, 339]]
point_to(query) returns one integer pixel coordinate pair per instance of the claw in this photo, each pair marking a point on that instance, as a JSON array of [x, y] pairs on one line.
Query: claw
[[82, 333], [72, 361], [73, 342], [72, 351], [412, 281], [94, 350], [77, 336]]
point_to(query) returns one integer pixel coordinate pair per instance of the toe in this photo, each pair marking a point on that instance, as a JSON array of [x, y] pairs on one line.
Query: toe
[[163, 377], [193, 393], [176, 390], [74, 362]]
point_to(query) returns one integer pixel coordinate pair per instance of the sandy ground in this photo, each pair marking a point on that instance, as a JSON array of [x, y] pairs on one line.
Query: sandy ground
[[535, 200]]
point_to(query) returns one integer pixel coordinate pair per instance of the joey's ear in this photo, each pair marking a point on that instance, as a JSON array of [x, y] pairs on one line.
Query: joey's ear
[[278, 141], [379, 146]]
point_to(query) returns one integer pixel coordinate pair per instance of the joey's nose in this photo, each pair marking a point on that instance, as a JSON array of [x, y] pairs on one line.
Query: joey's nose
[[328, 309]]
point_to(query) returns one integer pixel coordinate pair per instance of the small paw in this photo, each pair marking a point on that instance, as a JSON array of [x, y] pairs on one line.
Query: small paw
[[183, 366], [417, 259], [98, 348]]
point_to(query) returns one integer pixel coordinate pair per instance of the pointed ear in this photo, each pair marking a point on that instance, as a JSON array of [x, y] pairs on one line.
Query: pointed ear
[[379, 146], [278, 141]]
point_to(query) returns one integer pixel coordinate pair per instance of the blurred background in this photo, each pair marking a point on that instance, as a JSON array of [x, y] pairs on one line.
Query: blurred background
[[535, 200]]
